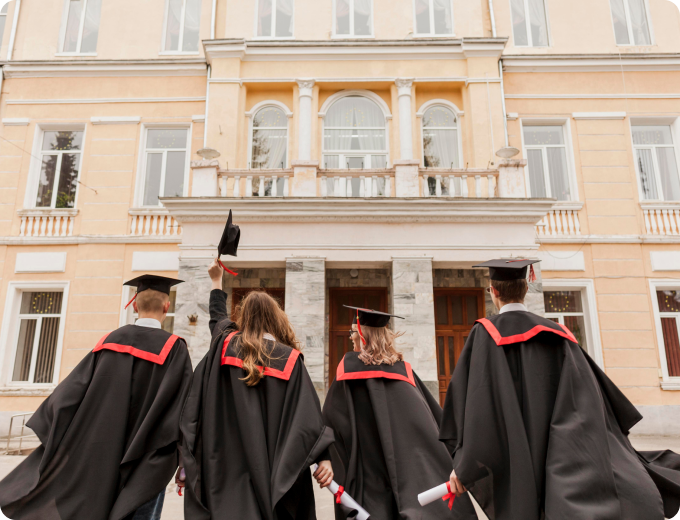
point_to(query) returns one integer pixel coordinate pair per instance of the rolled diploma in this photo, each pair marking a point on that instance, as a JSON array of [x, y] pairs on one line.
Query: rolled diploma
[[436, 493], [347, 500]]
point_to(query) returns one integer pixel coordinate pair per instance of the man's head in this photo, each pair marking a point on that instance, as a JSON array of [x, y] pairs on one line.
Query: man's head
[[508, 291], [152, 304]]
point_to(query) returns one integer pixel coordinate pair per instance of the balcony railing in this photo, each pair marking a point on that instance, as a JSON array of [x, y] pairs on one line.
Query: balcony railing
[[154, 223], [561, 220], [459, 183], [356, 183], [40, 222], [661, 218], [254, 183]]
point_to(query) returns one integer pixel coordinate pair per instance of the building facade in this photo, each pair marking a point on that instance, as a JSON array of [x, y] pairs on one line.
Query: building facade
[[357, 144]]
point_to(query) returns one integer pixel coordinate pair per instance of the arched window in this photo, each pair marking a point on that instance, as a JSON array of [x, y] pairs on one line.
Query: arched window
[[440, 138], [269, 147], [354, 134]]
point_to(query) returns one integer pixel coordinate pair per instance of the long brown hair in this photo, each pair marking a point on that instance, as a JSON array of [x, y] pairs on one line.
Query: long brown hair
[[260, 313], [379, 348]]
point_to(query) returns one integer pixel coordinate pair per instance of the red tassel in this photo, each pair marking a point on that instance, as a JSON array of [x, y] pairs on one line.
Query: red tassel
[[359, 328], [133, 299], [532, 274], [227, 270]]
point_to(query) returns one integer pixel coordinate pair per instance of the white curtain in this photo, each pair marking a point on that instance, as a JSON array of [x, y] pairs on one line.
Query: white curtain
[[519, 22], [264, 13], [440, 138], [347, 125], [442, 17], [173, 25], [646, 170], [362, 17], [638, 21], [536, 173], [557, 170], [192, 25], [285, 8], [75, 11], [91, 26], [539, 26], [423, 16], [620, 24], [270, 139], [668, 171], [342, 16]]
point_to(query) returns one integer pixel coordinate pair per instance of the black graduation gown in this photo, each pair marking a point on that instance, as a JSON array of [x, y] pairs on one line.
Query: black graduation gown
[[247, 450], [386, 449], [109, 432], [537, 430]]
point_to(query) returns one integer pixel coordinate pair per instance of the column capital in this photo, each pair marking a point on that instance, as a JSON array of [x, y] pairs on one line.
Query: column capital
[[404, 85], [305, 86]]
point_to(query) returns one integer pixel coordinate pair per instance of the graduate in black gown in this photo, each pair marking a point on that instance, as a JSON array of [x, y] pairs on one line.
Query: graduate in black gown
[[538, 431], [386, 426], [109, 431], [252, 422]]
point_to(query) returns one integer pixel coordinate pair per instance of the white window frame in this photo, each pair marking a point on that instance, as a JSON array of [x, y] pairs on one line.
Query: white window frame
[[432, 34], [179, 51], [590, 316], [62, 32], [530, 38], [11, 327], [569, 152], [351, 34], [141, 164], [127, 316], [674, 123], [629, 26], [250, 114], [458, 113], [4, 27], [385, 110], [667, 382], [273, 27], [36, 163]]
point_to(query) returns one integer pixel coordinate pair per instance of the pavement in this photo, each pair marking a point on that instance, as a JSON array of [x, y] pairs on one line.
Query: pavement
[[174, 510]]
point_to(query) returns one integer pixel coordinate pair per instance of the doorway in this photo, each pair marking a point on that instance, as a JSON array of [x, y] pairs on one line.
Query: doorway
[[238, 293], [340, 322], [455, 312]]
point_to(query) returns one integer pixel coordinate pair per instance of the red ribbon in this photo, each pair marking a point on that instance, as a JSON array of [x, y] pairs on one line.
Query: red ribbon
[[133, 299], [338, 494], [227, 270], [359, 330], [451, 496]]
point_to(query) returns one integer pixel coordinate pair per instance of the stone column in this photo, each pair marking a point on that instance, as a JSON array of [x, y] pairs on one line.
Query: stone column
[[191, 309], [511, 183], [306, 90], [534, 298], [406, 178], [413, 299], [204, 182], [405, 86], [305, 306], [304, 178]]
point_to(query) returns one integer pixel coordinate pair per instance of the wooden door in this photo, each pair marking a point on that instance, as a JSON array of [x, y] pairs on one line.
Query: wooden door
[[341, 319], [455, 311], [238, 293]]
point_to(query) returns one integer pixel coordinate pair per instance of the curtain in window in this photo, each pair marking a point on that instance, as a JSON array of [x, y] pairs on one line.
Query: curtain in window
[[75, 11], [284, 18], [440, 139], [362, 17], [174, 174], [519, 22], [91, 26], [638, 21], [173, 25], [668, 171], [264, 18], [646, 170], [669, 327], [442, 17], [192, 25], [539, 26], [536, 173], [3, 19], [557, 170], [24, 353], [620, 24], [423, 16], [270, 138], [342, 16], [347, 125]]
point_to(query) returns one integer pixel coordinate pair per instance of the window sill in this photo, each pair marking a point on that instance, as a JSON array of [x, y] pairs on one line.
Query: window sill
[[573, 205], [148, 210], [671, 385], [27, 391], [418, 35], [272, 38], [660, 204], [349, 37], [178, 53], [76, 54], [47, 212]]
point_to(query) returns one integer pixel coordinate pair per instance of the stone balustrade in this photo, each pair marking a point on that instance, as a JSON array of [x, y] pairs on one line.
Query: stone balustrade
[[356, 183], [561, 220], [459, 183], [254, 183], [661, 218], [47, 222], [153, 223]]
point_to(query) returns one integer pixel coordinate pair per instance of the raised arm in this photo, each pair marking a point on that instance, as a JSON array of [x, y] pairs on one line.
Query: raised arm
[[218, 298]]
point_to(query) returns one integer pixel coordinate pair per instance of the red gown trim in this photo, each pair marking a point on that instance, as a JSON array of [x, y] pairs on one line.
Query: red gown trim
[[341, 375], [141, 354], [519, 338], [268, 371]]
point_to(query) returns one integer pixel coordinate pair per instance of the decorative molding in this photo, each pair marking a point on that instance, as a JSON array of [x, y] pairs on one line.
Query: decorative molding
[[243, 81], [306, 87], [512, 116], [593, 96], [155, 261], [671, 385], [104, 68], [104, 101], [444, 102], [198, 118], [562, 261], [591, 63], [15, 121], [43, 262], [116, 120], [482, 80], [88, 239], [270, 102], [366, 93], [665, 260], [599, 115], [404, 85], [47, 212]]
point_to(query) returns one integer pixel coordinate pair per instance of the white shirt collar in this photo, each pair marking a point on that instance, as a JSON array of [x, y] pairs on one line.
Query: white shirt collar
[[509, 307], [268, 336], [148, 322]]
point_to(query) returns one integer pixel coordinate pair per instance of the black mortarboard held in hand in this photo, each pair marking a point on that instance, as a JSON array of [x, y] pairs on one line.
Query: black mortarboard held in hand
[[229, 243], [151, 281], [370, 318], [510, 269]]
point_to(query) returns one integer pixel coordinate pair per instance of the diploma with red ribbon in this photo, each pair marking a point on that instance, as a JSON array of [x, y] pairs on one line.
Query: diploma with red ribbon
[[442, 491], [344, 499]]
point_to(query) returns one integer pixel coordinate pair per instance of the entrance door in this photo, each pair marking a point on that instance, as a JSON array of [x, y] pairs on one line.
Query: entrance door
[[341, 319], [455, 313], [238, 293]]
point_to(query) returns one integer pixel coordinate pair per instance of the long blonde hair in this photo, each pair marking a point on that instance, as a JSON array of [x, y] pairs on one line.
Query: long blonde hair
[[379, 348], [260, 313]]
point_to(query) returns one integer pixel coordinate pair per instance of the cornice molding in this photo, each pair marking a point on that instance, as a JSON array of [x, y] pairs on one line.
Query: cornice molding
[[388, 210], [104, 68], [88, 239], [591, 63]]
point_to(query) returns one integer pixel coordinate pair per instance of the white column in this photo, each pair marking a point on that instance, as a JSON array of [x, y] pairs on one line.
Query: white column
[[306, 88], [405, 86]]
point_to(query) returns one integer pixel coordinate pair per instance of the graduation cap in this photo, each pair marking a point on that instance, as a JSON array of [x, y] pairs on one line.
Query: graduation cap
[[370, 318], [510, 269], [229, 243], [151, 281]]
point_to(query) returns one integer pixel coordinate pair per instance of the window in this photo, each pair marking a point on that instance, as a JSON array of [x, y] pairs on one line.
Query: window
[[40, 316], [669, 314], [169, 321], [165, 160], [529, 23], [440, 138], [3, 20], [60, 156], [355, 135], [656, 162], [353, 18], [82, 26], [566, 308], [183, 22], [631, 26], [433, 17], [270, 139], [547, 157], [275, 18]]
